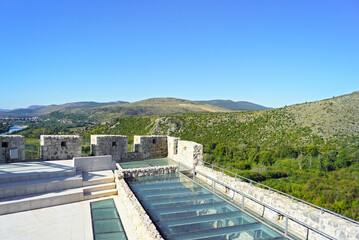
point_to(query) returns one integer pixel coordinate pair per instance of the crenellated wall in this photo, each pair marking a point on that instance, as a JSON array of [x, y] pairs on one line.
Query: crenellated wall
[[145, 147], [60, 147], [151, 146], [12, 148], [115, 145], [325, 222], [186, 152]]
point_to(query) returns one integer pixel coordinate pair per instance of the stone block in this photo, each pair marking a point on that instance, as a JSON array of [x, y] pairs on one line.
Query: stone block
[[9, 144], [60, 147], [94, 163]]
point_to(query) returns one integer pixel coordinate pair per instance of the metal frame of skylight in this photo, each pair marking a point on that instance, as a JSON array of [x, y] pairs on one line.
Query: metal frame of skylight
[[244, 196], [251, 182]]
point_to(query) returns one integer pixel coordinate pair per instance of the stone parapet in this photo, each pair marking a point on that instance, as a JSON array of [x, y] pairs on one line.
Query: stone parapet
[[94, 163], [115, 145], [326, 222], [12, 148], [186, 152], [141, 222], [148, 171], [60, 147], [152, 146]]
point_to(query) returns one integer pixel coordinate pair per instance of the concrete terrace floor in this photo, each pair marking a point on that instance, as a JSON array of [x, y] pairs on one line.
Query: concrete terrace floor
[[29, 168], [68, 221]]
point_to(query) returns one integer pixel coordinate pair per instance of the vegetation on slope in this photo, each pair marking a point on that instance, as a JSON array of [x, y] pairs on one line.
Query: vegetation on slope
[[154, 106], [281, 147], [4, 127], [37, 110], [240, 105], [290, 149]]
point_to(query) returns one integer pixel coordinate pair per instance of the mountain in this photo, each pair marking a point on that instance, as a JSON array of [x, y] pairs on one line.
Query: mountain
[[96, 111], [240, 105], [38, 110], [309, 150], [152, 106], [35, 106]]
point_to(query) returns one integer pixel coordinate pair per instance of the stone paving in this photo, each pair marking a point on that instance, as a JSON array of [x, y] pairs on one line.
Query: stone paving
[[69, 221]]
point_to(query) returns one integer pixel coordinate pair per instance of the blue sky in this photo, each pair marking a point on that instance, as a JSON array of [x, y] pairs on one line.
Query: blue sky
[[273, 53]]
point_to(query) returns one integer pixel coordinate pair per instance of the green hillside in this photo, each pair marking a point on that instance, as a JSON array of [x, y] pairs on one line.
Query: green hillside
[[240, 105], [301, 149], [35, 110], [153, 106]]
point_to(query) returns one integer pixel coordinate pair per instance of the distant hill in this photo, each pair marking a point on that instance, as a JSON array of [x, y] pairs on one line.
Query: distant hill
[[38, 110], [152, 106], [35, 106], [329, 118], [240, 105], [96, 111]]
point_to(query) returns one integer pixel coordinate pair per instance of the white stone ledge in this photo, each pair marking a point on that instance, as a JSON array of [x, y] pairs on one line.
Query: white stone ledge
[[141, 222], [327, 223]]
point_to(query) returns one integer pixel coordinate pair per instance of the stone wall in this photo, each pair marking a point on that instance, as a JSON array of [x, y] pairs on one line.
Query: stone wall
[[151, 146], [145, 147], [12, 148], [141, 222], [172, 146], [115, 145], [94, 163], [186, 152], [327, 223], [60, 147], [148, 171]]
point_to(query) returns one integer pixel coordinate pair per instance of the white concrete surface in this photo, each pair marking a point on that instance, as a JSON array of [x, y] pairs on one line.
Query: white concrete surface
[[66, 222], [94, 163], [28, 171], [69, 221]]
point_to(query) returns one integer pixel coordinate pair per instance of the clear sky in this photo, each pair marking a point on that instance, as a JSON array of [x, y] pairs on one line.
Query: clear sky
[[270, 52]]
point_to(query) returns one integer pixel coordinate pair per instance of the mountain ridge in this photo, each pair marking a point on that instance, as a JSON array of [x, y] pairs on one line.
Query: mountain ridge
[[235, 105], [39, 110], [147, 107], [183, 105]]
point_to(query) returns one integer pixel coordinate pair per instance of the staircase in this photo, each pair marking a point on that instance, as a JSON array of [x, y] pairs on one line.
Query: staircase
[[99, 184], [37, 185]]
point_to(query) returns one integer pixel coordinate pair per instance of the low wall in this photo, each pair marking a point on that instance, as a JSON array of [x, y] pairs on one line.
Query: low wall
[[96, 163], [152, 146], [12, 148], [148, 171], [141, 222], [145, 147], [60, 147], [186, 152], [327, 223], [115, 145]]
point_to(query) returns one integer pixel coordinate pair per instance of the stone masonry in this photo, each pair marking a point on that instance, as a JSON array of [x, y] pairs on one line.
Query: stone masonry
[[145, 147], [186, 152], [151, 146], [60, 147], [330, 224], [115, 145], [12, 148]]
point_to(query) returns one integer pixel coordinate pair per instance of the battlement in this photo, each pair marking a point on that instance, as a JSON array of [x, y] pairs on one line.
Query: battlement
[[265, 203], [12, 148], [61, 147]]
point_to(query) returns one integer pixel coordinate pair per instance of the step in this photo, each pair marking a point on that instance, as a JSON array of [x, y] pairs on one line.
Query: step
[[27, 171], [36, 201], [15, 189], [98, 177], [98, 194], [30, 176], [99, 187]]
